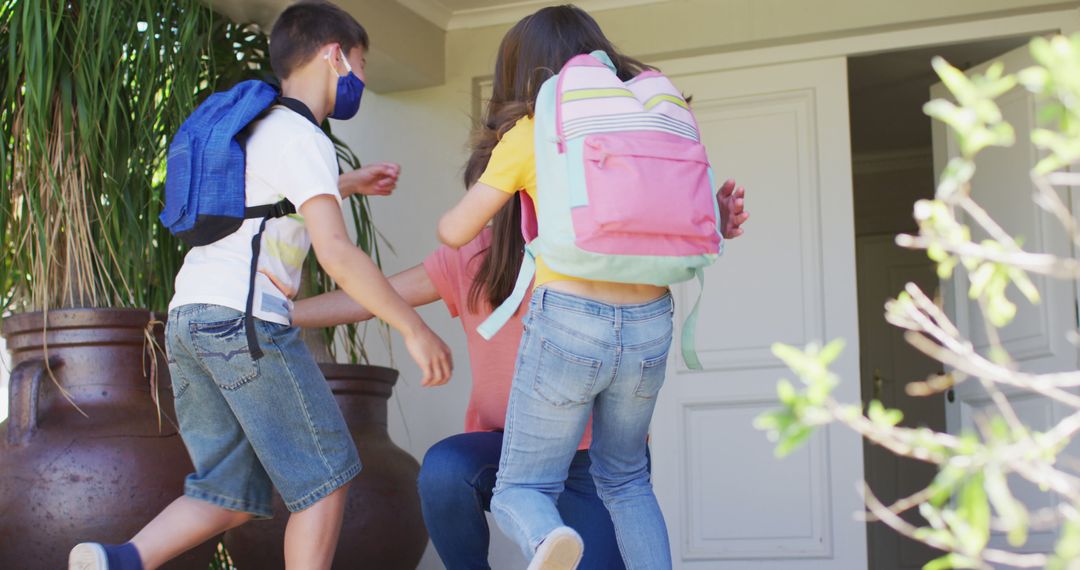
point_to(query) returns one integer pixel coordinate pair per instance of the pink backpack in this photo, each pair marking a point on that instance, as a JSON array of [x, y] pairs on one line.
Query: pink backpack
[[624, 186]]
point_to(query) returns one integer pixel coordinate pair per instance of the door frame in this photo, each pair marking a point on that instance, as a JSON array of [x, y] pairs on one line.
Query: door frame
[[930, 33], [939, 32]]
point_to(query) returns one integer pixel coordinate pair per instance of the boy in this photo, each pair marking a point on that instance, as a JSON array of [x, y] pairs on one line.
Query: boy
[[253, 424]]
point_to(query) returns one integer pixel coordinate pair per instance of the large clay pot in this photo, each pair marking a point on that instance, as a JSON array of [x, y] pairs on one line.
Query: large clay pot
[[65, 477], [383, 526]]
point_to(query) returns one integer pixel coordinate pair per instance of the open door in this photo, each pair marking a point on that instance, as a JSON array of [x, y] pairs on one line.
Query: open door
[[1036, 339], [888, 364], [782, 131]]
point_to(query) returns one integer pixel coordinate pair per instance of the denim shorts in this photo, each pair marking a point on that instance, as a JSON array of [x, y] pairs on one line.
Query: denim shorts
[[254, 425]]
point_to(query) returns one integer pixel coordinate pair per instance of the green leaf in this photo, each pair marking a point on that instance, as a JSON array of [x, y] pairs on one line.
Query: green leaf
[[973, 508], [883, 417], [1011, 512], [793, 441], [1067, 550], [951, 561], [786, 392], [832, 351], [788, 354]]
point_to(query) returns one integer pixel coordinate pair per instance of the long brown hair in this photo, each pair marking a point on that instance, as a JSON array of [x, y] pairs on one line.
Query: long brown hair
[[532, 51]]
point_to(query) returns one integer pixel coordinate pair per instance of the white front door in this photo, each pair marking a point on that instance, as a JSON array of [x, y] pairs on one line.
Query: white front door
[[782, 131], [1037, 338]]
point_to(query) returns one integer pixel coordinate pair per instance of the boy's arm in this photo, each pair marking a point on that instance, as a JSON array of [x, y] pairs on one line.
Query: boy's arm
[[357, 275], [465, 220], [337, 308]]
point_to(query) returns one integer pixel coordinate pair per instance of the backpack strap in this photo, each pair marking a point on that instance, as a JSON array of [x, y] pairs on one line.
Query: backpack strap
[[689, 332], [604, 59], [509, 307], [297, 106], [267, 213]]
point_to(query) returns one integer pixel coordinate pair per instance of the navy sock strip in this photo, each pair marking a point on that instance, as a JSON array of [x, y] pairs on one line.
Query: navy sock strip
[[123, 557]]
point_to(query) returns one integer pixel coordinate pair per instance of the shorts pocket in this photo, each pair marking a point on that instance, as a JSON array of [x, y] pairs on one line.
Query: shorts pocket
[[222, 347], [177, 382], [565, 378], [653, 371]]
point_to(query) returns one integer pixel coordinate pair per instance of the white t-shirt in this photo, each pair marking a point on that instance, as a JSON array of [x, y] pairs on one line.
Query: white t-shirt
[[287, 157]]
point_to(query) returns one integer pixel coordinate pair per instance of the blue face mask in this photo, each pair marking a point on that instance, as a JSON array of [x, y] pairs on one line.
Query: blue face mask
[[349, 90]]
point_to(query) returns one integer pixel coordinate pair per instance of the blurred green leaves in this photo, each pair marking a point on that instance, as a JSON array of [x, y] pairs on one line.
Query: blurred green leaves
[[971, 497]]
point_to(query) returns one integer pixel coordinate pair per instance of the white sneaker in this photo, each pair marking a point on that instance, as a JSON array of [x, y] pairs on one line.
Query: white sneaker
[[561, 550], [88, 556]]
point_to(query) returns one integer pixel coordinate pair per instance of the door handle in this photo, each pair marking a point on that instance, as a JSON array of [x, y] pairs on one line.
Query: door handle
[[879, 382]]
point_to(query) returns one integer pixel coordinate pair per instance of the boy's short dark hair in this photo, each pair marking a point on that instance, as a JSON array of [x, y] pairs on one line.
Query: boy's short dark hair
[[307, 25]]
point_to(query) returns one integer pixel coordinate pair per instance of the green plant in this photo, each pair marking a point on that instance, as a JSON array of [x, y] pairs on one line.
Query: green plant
[[91, 93], [972, 494]]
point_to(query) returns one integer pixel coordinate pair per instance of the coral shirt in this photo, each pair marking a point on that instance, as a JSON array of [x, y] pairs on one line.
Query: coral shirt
[[492, 361]]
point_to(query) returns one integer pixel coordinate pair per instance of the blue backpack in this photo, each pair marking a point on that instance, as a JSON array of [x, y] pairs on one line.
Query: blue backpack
[[205, 175], [204, 181]]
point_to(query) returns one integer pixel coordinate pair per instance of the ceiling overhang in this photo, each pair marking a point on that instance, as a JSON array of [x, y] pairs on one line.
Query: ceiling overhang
[[408, 37], [498, 13], [407, 51]]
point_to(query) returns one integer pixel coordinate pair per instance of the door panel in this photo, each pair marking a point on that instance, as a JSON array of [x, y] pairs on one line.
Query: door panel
[[782, 131]]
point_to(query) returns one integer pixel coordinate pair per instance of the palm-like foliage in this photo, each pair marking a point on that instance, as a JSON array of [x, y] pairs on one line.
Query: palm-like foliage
[[90, 92]]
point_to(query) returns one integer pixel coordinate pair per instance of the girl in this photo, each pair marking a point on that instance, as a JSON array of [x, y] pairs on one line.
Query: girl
[[589, 348]]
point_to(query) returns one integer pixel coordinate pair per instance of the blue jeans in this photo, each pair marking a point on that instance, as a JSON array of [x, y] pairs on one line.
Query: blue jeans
[[456, 482], [254, 425], [580, 357]]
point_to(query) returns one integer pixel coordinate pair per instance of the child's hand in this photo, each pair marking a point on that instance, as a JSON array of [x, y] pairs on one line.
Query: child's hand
[[377, 179], [432, 355], [732, 212]]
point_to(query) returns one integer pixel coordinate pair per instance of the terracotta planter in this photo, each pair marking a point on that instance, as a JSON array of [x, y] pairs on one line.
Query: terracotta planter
[[66, 478], [383, 526]]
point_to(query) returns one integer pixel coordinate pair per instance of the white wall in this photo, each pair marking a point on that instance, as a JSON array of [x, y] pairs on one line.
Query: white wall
[[426, 132]]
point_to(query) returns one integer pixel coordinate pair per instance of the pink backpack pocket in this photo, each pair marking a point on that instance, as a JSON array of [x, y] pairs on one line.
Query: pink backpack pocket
[[646, 192]]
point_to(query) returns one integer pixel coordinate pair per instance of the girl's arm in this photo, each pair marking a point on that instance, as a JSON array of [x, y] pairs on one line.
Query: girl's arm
[[465, 220], [337, 308], [733, 212]]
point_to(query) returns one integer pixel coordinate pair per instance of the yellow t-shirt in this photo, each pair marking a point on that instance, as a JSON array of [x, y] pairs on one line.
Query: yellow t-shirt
[[512, 168]]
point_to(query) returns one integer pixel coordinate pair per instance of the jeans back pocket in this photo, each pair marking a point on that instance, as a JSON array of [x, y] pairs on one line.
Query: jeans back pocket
[[222, 347], [653, 371], [564, 378]]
